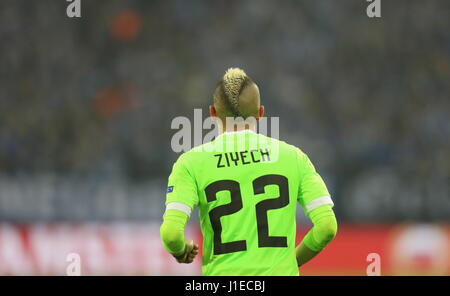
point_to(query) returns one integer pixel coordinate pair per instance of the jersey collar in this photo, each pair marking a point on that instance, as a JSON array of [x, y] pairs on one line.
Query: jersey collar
[[238, 132]]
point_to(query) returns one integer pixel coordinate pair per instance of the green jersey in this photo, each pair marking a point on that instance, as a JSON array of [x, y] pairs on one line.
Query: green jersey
[[246, 187]]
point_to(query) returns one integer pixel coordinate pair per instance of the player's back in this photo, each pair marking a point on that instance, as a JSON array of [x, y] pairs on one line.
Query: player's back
[[247, 187]]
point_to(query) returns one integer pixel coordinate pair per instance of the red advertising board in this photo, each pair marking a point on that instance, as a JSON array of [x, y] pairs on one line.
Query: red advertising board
[[136, 249]]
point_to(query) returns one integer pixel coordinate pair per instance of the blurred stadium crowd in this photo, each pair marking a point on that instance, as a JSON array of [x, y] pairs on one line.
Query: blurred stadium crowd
[[86, 104]]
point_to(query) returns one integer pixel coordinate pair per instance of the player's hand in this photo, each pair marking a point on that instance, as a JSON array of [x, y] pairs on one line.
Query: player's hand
[[191, 251]]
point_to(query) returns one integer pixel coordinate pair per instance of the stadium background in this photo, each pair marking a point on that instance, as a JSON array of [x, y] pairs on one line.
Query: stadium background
[[86, 106]]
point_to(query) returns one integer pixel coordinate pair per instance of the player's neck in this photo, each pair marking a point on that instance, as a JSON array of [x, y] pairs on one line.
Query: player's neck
[[225, 130]]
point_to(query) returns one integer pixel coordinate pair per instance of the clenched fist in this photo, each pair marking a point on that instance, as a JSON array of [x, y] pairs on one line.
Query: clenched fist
[[190, 251]]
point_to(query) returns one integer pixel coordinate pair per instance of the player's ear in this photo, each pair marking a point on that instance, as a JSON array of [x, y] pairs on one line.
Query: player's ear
[[212, 111], [260, 112]]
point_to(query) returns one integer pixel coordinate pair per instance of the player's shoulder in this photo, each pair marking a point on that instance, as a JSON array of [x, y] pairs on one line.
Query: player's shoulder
[[194, 154], [285, 146]]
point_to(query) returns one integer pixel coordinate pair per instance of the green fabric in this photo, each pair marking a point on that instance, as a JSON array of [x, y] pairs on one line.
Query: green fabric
[[265, 176], [324, 229], [172, 231]]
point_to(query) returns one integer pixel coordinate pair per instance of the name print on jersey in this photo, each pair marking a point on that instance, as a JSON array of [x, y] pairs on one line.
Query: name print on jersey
[[242, 157]]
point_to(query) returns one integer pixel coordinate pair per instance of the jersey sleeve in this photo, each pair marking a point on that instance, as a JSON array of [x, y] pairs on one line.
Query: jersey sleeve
[[182, 187], [312, 192]]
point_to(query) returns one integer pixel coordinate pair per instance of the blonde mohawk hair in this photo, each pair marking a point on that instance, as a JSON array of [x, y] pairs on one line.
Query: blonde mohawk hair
[[227, 95], [233, 82]]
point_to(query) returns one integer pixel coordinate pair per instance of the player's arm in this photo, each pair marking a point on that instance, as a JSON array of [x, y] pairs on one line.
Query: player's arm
[[319, 236], [172, 236], [180, 199], [315, 199]]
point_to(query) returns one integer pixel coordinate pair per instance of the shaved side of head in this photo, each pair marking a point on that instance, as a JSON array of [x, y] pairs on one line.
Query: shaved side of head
[[236, 95]]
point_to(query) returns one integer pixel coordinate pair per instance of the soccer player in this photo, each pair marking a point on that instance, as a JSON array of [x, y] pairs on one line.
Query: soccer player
[[246, 187]]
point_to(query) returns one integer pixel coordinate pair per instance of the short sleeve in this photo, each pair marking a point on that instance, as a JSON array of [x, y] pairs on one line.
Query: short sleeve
[[312, 192], [182, 187]]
